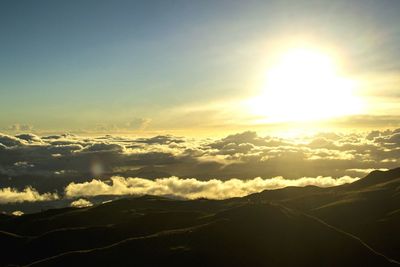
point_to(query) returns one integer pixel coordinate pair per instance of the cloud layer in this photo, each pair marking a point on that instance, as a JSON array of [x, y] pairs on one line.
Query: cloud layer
[[81, 203], [217, 168], [193, 188], [29, 194]]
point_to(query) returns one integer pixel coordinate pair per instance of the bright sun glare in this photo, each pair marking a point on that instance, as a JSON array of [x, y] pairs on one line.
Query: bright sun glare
[[304, 85]]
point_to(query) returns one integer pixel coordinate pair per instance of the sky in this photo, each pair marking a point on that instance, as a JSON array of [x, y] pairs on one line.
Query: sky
[[195, 67], [192, 99]]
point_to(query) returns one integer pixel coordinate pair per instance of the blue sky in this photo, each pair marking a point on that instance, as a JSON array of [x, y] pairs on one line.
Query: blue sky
[[73, 65]]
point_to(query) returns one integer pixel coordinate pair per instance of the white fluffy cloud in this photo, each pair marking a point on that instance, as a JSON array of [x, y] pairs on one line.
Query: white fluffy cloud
[[193, 188], [29, 194], [81, 203], [17, 213]]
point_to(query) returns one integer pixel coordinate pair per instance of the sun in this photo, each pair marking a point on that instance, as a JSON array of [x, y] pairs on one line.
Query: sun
[[304, 85]]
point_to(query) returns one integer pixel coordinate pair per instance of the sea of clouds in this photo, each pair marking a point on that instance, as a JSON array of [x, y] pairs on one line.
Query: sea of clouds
[[40, 168]]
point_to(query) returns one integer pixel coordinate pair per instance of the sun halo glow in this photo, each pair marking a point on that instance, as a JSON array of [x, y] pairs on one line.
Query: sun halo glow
[[304, 85]]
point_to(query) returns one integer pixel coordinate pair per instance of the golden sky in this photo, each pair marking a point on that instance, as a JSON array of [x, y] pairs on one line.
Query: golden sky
[[204, 68]]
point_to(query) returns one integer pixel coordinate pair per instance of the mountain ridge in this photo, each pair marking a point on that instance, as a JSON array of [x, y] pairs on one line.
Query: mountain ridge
[[261, 229]]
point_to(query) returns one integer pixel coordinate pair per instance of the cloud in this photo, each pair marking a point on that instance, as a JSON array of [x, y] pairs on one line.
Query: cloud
[[81, 203], [17, 213], [50, 163], [138, 123], [30, 138], [248, 137], [102, 147], [9, 141], [193, 188], [29, 194], [368, 121], [161, 140], [20, 127], [366, 171]]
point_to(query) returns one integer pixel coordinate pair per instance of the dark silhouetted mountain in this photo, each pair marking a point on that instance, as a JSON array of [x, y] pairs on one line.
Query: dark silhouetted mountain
[[376, 177], [349, 225]]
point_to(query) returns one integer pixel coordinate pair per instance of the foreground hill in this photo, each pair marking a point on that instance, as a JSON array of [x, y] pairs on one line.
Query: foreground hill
[[350, 225], [368, 208]]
